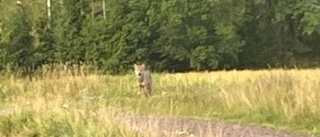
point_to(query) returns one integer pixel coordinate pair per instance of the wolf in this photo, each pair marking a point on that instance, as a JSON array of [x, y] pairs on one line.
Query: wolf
[[144, 79]]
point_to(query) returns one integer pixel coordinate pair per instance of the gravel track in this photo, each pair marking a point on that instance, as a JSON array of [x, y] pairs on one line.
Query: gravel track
[[162, 126]]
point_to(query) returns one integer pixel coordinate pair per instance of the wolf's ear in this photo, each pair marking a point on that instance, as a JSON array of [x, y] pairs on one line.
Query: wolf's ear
[[143, 66], [134, 65]]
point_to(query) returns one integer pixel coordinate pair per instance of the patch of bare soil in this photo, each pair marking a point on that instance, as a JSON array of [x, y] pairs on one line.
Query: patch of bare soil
[[162, 126], [5, 111]]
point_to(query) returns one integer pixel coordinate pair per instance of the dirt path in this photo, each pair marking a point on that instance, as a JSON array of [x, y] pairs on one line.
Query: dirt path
[[156, 126]]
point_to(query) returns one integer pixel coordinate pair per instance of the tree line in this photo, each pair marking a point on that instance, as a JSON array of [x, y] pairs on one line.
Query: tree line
[[167, 35]]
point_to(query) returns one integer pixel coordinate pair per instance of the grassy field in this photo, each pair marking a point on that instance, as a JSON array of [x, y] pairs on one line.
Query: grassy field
[[60, 104]]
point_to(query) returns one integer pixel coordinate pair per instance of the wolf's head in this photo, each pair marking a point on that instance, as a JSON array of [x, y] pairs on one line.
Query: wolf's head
[[138, 69]]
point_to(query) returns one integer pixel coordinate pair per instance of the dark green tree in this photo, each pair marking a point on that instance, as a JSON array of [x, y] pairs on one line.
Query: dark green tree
[[16, 42]]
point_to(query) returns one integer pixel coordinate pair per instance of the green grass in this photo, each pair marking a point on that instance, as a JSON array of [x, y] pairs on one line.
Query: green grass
[[60, 104], [29, 123]]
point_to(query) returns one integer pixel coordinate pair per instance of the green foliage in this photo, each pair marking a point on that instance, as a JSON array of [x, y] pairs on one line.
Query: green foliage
[[67, 26], [15, 41], [165, 34], [276, 32]]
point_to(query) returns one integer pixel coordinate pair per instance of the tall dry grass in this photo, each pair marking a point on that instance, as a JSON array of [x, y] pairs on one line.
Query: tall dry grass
[[66, 103]]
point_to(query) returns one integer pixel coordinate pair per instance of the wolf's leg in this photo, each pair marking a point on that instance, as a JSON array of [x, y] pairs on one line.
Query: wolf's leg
[[140, 89], [146, 94]]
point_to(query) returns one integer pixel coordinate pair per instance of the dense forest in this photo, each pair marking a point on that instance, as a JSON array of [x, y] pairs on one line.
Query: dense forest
[[167, 35]]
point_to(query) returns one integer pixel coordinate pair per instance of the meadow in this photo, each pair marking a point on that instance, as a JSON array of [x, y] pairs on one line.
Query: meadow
[[62, 103]]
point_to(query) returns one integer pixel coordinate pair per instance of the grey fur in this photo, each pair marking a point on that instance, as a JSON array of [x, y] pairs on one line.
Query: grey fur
[[144, 78]]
